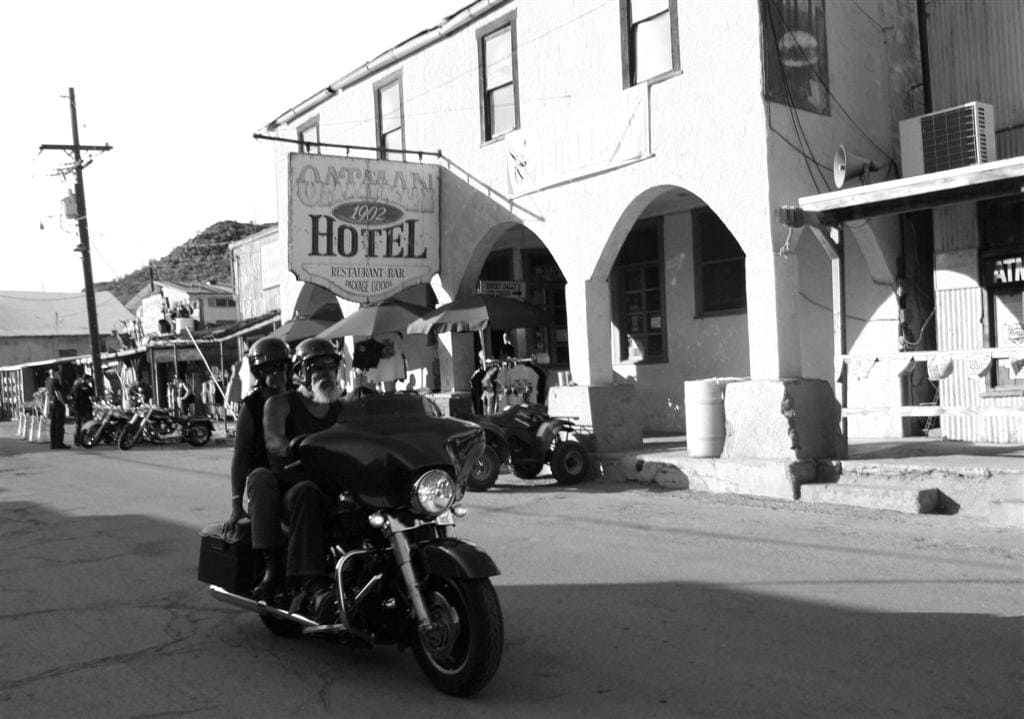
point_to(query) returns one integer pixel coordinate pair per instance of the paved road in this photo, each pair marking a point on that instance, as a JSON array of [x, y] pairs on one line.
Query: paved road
[[619, 601]]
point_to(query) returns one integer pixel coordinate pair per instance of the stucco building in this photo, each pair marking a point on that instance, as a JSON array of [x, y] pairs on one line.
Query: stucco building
[[620, 164]]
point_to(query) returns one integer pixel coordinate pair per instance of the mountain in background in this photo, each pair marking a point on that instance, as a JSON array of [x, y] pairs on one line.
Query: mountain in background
[[204, 258]]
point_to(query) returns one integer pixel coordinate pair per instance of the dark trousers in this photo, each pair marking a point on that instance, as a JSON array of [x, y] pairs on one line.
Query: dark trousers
[[298, 501], [58, 413], [80, 419]]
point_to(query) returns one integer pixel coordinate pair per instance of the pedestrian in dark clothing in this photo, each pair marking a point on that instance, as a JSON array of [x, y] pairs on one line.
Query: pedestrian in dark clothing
[[81, 399], [56, 403]]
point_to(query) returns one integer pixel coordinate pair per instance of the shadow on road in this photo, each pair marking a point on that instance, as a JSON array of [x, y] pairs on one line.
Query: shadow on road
[[103, 616]]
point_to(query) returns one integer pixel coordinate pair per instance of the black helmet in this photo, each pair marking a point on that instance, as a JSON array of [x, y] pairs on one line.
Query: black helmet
[[267, 350], [310, 350]]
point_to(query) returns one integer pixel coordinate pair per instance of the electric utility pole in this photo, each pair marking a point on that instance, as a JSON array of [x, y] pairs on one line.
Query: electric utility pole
[[83, 237]]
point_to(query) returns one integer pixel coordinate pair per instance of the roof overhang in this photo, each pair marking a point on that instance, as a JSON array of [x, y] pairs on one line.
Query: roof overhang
[[1002, 178]]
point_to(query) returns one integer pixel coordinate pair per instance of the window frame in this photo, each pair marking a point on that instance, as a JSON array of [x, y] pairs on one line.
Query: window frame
[[304, 144], [619, 271], [394, 78], [626, 27], [699, 263], [482, 34]]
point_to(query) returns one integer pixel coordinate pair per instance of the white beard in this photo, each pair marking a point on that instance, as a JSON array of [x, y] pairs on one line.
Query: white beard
[[326, 392]]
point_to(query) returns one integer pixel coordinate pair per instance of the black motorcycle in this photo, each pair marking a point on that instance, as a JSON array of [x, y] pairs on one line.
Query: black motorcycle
[[154, 424], [105, 426], [398, 574]]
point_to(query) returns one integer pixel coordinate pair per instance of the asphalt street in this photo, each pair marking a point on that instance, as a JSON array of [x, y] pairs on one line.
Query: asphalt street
[[619, 601]]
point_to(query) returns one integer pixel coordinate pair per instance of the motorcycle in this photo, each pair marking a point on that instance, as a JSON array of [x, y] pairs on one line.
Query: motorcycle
[[157, 425], [397, 572], [525, 436], [106, 425]]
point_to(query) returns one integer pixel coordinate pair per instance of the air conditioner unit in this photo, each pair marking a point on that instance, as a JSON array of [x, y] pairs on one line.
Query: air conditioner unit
[[955, 137]]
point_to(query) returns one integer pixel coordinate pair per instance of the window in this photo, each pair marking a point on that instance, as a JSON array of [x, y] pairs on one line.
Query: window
[[309, 136], [795, 53], [499, 101], [390, 130], [650, 39], [720, 277], [1001, 230], [639, 294]]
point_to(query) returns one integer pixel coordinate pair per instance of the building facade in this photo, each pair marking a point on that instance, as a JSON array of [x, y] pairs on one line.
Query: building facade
[[618, 163]]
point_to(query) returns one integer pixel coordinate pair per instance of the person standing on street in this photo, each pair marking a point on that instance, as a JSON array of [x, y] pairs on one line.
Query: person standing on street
[[81, 399], [56, 403]]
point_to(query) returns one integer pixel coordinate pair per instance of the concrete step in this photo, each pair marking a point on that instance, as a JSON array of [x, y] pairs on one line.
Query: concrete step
[[897, 498]]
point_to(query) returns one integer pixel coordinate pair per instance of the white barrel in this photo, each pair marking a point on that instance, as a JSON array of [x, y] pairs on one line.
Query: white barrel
[[704, 404]]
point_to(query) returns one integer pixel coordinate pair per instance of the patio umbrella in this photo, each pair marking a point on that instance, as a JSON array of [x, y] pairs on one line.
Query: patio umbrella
[[316, 309], [475, 313], [388, 316]]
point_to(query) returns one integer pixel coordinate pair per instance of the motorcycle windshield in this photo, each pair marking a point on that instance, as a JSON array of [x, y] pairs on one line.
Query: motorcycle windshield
[[377, 457]]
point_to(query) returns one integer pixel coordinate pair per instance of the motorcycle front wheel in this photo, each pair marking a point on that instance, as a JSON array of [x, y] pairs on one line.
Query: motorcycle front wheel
[[126, 440], [462, 649], [90, 435], [198, 435]]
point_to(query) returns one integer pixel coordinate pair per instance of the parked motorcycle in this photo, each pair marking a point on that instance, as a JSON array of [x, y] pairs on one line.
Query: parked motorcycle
[[105, 426], [525, 436], [397, 572], [157, 425]]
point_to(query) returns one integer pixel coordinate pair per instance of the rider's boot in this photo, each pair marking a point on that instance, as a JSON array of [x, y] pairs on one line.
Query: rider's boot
[[273, 575]]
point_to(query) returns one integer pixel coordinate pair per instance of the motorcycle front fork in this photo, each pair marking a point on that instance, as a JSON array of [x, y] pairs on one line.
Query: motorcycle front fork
[[403, 556]]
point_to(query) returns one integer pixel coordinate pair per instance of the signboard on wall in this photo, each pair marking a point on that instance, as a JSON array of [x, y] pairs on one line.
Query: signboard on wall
[[365, 229], [270, 264], [1004, 272]]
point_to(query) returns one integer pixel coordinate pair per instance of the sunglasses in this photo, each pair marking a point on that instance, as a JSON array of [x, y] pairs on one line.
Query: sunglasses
[[322, 366], [273, 367]]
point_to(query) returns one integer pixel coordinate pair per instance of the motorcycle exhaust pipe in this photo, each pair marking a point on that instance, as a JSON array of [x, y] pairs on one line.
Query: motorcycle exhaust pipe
[[309, 626], [261, 607]]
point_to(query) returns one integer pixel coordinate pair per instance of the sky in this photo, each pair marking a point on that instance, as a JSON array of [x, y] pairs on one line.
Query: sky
[[177, 90]]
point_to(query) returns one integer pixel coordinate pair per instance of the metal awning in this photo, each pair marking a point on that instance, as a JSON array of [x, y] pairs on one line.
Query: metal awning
[[989, 180]]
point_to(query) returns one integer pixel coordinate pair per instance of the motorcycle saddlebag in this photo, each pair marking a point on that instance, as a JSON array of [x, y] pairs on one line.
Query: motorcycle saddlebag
[[226, 560]]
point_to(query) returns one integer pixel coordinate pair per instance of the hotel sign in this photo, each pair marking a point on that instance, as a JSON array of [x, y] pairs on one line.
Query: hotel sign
[[365, 229]]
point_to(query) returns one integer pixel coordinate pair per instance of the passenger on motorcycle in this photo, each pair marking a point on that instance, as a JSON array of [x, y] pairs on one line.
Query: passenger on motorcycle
[[270, 363], [314, 406]]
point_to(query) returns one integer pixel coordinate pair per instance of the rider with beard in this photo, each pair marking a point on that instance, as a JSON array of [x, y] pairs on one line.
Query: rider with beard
[[314, 406], [270, 363]]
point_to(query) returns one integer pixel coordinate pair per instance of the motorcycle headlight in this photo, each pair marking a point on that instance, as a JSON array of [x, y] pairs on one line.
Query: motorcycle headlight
[[433, 493]]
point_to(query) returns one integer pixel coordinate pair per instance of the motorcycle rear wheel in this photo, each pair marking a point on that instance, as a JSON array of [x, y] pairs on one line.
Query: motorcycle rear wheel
[[198, 435], [462, 651], [281, 627], [126, 440], [484, 472]]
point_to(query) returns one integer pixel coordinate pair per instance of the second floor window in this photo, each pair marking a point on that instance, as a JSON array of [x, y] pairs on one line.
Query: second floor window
[[499, 94], [650, 44], [309, 136], [390, 133]]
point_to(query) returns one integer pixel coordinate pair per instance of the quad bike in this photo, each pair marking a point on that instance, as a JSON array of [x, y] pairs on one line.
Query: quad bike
[[525, 436]]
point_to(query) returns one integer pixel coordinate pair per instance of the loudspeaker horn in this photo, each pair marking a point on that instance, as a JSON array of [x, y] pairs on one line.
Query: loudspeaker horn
[[846, 165]]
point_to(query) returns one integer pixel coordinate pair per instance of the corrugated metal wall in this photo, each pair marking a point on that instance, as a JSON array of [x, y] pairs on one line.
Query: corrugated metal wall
[[962, 67]]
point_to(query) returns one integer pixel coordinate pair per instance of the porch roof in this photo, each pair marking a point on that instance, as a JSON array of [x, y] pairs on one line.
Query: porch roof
[[989, 180]]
